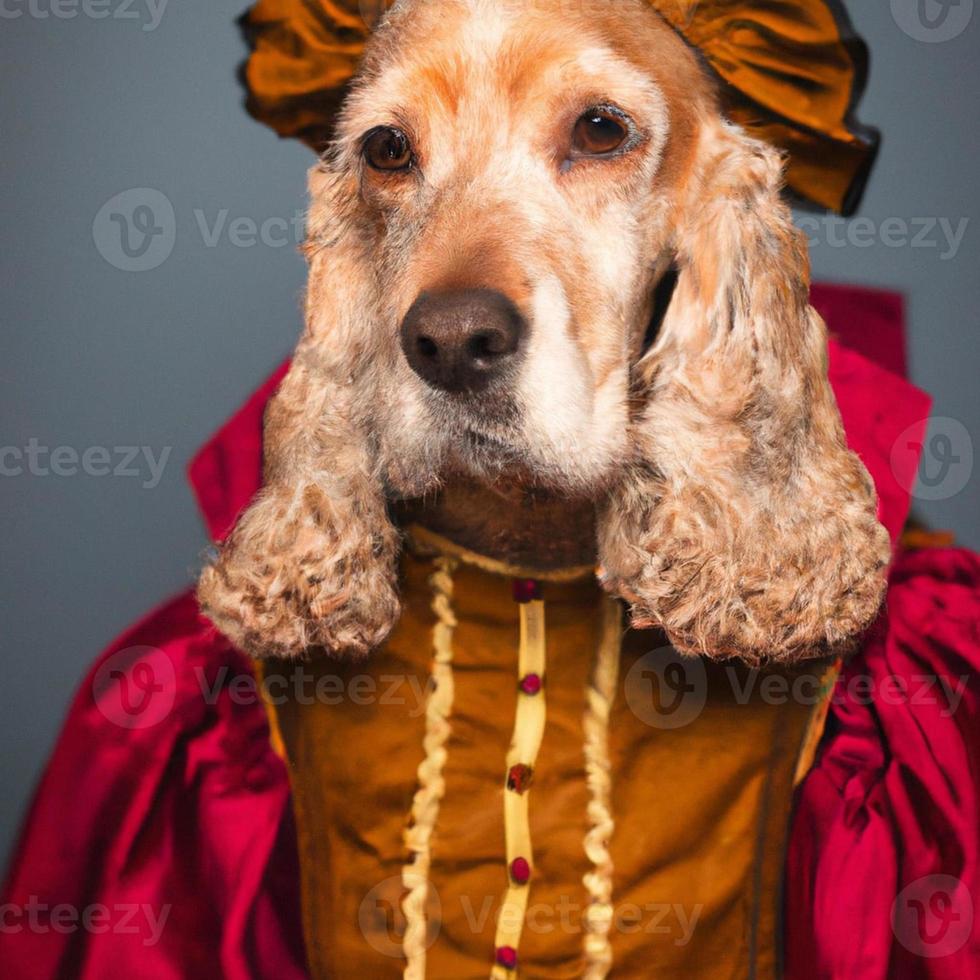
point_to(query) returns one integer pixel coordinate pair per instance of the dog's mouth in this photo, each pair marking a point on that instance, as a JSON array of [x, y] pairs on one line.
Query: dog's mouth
[[488, 450], [491, 453]]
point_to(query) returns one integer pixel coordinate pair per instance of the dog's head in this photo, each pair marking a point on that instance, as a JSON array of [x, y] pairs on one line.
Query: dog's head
[[508, 171], [511, 187]]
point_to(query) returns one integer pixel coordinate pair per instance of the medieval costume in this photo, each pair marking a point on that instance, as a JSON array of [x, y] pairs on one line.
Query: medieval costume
[[446, 809]]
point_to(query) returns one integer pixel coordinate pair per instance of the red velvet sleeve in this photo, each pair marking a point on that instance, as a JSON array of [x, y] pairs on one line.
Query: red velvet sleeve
[[160, 842]]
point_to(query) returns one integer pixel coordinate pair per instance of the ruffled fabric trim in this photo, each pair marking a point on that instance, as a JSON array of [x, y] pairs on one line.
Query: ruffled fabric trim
[[432, 784], [598, 773]]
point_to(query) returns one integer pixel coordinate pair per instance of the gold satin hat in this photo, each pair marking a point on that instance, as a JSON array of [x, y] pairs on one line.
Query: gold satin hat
[[790, 73]]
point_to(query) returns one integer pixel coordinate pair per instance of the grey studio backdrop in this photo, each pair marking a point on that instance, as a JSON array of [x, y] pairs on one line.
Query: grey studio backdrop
[[98, 356]]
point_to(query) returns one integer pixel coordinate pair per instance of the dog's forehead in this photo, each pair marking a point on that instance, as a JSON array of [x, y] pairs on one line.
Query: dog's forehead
[[446, 55]]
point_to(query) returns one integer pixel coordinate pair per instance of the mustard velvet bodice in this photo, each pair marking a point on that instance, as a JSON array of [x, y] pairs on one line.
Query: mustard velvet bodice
[[648, 840]]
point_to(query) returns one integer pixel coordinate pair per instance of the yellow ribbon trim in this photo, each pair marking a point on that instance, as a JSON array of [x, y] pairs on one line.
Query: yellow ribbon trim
[[529, 725]]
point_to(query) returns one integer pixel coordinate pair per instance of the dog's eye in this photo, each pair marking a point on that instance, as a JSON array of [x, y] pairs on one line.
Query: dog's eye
[[599, 132], [386, 148]]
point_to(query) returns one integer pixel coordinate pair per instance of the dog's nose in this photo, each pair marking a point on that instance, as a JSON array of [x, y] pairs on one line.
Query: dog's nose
[[461, 340]]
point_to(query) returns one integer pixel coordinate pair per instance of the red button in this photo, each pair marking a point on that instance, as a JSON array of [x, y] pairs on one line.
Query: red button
[[526, 589], [507, 957], [519, 778], [520, 871], [530, 684]]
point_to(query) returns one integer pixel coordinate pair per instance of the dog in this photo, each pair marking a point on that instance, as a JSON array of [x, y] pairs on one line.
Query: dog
[[557, 324], [512, 193]]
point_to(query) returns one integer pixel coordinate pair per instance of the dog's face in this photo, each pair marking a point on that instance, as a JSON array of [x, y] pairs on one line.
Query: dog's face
[[506, 169], [510, 180]]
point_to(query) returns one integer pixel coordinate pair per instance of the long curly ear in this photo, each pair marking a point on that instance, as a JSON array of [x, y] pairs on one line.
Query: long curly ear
[[744, 527], [311, 563]]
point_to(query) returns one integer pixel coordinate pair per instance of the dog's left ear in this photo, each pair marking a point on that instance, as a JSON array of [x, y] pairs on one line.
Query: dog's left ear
[[744, 526]]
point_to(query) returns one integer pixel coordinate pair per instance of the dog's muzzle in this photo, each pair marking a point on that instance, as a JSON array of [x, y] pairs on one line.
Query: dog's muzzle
[[463, 340]]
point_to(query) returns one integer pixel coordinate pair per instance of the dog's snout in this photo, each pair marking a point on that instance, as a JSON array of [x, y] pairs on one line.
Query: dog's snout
[[462, 340]]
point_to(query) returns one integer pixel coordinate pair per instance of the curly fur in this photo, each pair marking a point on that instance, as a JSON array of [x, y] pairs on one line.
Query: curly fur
[[311, 564], [744, 526], [730, 511]]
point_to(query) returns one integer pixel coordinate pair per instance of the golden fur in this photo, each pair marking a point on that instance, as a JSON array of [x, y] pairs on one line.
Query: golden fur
[[730, 511]]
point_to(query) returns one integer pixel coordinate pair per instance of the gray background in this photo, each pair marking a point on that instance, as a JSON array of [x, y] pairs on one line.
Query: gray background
[[95, 356]]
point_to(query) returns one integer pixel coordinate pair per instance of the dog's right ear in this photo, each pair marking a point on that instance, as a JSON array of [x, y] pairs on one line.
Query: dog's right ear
[[311, 563]]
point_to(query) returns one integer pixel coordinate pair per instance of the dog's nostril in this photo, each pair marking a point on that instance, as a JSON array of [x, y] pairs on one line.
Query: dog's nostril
[[486, 344], [427, 347]]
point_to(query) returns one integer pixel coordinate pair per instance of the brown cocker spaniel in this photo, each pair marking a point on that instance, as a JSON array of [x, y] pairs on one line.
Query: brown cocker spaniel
[[508, 185]]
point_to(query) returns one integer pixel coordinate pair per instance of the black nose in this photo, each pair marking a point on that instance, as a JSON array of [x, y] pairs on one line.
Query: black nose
[[461, 340]]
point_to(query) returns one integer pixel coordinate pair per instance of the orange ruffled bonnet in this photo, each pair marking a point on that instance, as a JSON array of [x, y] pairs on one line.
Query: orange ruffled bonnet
[[790, 73]]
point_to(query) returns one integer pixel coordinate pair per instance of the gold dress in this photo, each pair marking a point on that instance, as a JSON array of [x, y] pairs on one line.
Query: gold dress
[[514, 786]]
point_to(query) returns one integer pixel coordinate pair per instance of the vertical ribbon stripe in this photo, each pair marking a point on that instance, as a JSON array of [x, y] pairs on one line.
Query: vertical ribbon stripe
[[529, 725]]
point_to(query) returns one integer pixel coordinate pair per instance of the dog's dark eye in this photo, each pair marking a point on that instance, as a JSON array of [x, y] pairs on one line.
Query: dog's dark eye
[[386, 148], [599, 132]]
